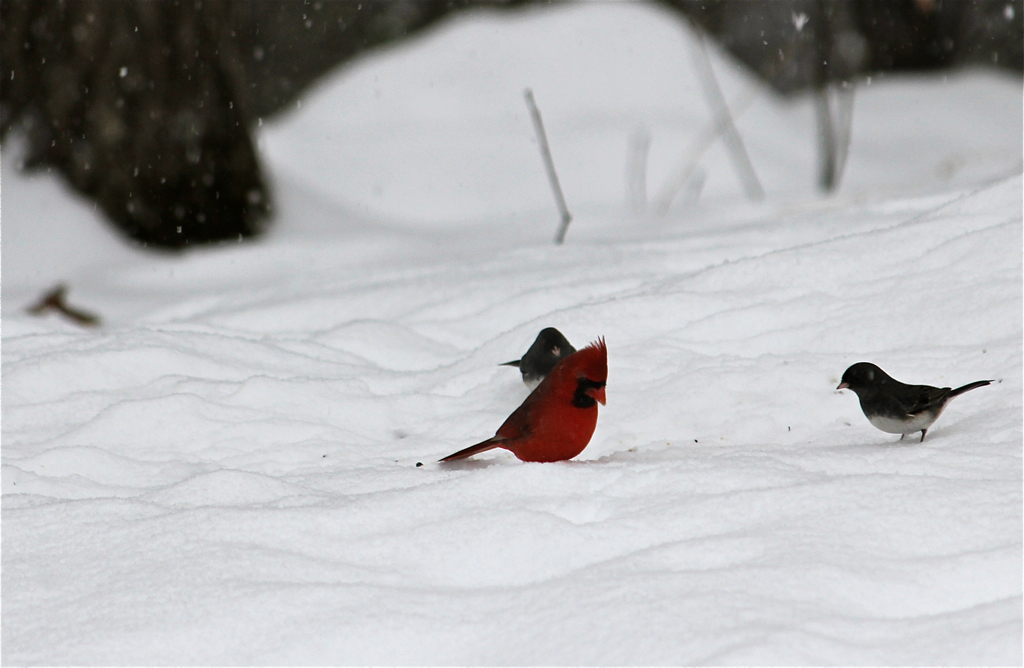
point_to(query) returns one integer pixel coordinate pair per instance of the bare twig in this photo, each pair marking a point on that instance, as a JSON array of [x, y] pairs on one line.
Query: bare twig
[[54, 300], [834, 110], [710, 134], [694, 185], [636, 169], [845, 122], [826, 141], [545, 152], [733, 141]]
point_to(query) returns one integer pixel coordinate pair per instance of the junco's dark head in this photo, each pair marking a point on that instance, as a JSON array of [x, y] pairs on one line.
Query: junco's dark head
[[547, 349], [863, 375]]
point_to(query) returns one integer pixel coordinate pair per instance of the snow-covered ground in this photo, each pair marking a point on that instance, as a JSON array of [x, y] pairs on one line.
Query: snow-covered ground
[[225, 471]]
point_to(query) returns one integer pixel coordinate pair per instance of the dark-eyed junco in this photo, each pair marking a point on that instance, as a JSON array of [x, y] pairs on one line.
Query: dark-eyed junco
[[549, 347], [895, 407]]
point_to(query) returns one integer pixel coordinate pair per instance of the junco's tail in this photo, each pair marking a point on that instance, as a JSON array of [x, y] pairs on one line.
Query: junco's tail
[[512, 363], [968, 387]]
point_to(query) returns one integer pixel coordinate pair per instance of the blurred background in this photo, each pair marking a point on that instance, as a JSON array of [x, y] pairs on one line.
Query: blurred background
[[149, 109]]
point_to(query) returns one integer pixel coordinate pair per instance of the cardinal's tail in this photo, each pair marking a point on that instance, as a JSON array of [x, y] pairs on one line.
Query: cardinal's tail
[[968, 387], [484, 446]]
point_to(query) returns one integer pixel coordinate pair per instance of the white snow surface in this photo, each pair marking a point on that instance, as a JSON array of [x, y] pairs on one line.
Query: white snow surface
[[225, 471]]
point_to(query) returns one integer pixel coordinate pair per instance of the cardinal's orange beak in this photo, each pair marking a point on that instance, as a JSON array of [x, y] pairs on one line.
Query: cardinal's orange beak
[[597, 393]]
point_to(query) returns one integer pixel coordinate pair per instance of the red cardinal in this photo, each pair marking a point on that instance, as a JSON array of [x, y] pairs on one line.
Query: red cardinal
[[557, 420]]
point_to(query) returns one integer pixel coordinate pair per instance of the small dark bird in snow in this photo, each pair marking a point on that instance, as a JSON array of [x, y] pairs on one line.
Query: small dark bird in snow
[[895, 407], [548, 348]]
